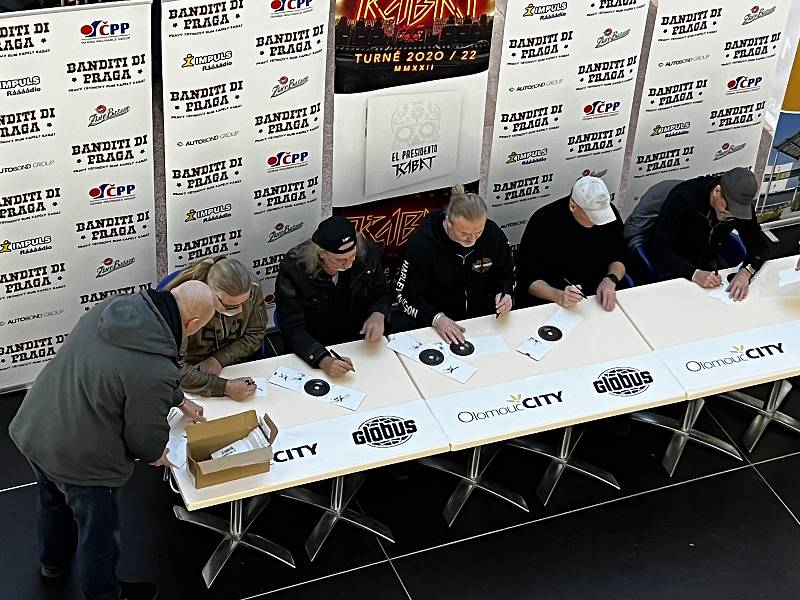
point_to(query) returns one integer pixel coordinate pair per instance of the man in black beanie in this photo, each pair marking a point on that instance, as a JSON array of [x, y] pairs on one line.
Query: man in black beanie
[[331, 289]]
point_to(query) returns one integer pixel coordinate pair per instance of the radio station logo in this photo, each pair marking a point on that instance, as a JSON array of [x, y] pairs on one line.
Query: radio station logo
[[611, 35], [757, 13], [737, 354], [282, 230], [286, 84], [109, 265], [98, 31], [21, 85], [103, 113], [601, 108], [527, 158], [547, 11], [286, 160], [282, 8], [743, 83], [623, 381], [672, 129], [26, 246], [384, 432], [728, 149], [691, 23], [205, 215], [32, 317], [208, 62], [514, 404], [111, 192]]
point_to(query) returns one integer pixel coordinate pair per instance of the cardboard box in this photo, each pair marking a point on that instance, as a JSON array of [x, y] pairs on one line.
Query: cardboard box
[[204, 438]]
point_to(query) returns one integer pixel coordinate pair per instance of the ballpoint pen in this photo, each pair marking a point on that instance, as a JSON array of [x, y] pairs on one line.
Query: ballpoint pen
[[497, 314], [336, 356], [576, 287]]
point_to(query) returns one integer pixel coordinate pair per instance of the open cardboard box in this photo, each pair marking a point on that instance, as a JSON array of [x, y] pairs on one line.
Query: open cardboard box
[[204, 438]]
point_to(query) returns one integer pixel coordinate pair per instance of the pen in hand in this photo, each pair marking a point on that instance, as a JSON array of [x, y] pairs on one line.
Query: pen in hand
[[336, 356], [497, 312], [576, 288]]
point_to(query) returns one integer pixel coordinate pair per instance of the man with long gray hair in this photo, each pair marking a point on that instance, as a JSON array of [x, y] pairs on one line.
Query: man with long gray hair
[[458, 265]]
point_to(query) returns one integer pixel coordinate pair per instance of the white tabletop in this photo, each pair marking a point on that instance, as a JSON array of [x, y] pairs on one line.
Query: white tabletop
[[601, 336]]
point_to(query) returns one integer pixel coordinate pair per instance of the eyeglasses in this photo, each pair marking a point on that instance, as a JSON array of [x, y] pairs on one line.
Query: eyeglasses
[[231, 306]]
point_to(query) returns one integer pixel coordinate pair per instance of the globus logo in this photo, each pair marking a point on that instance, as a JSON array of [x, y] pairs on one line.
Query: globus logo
[[744, 82], [106, 191], [104, 29], [288, 6], [384, 432], [601, 108], [623, 381], [287, 160]]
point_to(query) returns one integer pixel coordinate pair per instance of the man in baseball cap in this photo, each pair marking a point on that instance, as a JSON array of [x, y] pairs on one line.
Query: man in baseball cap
[[331, 289], [572, 248], [695, 221]]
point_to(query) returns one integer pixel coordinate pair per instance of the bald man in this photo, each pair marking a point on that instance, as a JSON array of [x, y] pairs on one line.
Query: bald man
[[98, 405]]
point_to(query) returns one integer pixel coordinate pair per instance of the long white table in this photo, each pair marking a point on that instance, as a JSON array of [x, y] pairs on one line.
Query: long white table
[[717, 348], [316, 441]]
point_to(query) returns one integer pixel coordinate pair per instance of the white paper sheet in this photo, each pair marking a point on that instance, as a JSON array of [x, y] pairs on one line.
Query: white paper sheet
[[176, 448], [338, 394], [719, 292], [536, 347], [788, 277], [452, 366], [288, 378], [489, 344], [261, 386]]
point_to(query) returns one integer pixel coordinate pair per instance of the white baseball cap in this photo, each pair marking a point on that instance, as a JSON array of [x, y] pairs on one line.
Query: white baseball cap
[[591, 194]]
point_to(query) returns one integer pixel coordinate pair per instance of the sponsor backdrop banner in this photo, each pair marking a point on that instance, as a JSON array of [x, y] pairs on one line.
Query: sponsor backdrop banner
[[567, 80], [76, 172], [410, 88], [707, 85], [244, 85]]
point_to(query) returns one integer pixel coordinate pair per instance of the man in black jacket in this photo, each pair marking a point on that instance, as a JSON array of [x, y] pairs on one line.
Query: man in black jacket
[[458, 265], [694, 221], [98, 405], [331, 289]]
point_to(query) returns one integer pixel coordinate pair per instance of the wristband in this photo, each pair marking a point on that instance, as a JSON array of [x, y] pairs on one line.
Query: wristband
[[436, 318], [614, 279], [182, 402]]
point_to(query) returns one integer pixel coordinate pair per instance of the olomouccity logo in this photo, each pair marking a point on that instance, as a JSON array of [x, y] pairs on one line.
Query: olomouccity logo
[[27, 246], [737, 354], [111, 192], [546, 11], [728, 149], [757, 13], [297, 452], [384, 432], [611, 35], [104, 31], [282, 230], [208, 62], [623, 381], [109, 265], [103, 113], [281, 8], [287, 84], [286, 160], [212, 213], [515, 403]]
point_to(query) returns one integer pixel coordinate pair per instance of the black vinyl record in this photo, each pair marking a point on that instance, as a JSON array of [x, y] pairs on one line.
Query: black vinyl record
[[431, 357], [464, 349], [549, 333], [316, 387]]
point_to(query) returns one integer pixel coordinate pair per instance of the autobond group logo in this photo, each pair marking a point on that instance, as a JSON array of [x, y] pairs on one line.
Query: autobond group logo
[[611, 35], [546, 11], [384, 432], [736, 355], [757, 13], [514, 404], [103, 113], [623, 381]]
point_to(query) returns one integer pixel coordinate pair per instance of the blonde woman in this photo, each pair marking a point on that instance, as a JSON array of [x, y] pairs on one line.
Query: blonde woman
[[234, 333]]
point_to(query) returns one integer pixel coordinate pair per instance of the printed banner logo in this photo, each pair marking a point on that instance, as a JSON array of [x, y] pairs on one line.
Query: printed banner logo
[[104, 113], [514, 404], [213, 213], [104, 31], [113, 264], [738, 354], [282, 8], [287, 160], [287, 85], [623, 381], [27, 246], [757, 13], [600, 173], [32, 317], [282, 230], [743, 83], [39, 278], [527, 158], [384, 432], [209, 62], [601, 108], [728, 149], [548, 11], [110, 192], [610, 35], [21, 85], [672, 130]]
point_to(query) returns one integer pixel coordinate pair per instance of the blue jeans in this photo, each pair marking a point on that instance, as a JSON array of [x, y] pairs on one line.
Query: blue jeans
[[82, 521]]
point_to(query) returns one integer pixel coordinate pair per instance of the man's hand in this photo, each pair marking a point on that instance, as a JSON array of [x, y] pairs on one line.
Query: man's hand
[[502, 303], [797, 267], [373, 327], [240, 388], [706, 279], [192, 411], [450, 331], [570, 296], [163, 461], [210, 365], [739, 286], [334, 367], [607, 294]]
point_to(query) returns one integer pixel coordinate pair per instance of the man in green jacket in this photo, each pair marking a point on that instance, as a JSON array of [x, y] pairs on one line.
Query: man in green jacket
[[98, 405]]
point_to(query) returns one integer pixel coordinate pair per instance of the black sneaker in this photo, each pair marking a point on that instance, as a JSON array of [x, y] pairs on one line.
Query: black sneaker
[[144, 590], [53, 572]]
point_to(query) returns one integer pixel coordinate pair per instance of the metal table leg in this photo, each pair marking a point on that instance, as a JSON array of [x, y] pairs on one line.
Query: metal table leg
[[684, 431], [235, 533], [767, 412], [335, 507], [472, 478], [562, 459]]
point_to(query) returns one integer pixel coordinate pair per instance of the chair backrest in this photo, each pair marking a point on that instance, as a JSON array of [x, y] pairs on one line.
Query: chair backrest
[[167, 280], [733, 251], [640, 222]]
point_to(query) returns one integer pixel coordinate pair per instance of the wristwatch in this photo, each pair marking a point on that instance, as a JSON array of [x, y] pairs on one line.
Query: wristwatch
[[613, 278], [750, 269]]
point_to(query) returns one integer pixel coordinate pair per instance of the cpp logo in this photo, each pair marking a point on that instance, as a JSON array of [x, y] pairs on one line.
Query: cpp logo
[[285, 160], [99, 29], [285, 6], [600, 107], [110, 190], [744, 82]]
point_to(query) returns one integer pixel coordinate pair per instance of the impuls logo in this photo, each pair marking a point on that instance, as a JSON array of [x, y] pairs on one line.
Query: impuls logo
[[757, 13], [105, 30], [610, 35], [21, 85], [384, 432], [112, 264], [208, 62], [28, 246], [212, 213], [548, 11], [623, 381], [739, 354], [285, 84], [282, 230], [672, 129], [527, 158], [103, 113], [728, 149]]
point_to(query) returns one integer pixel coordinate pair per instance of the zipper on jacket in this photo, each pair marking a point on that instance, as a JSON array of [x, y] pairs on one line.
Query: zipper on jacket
[[466, 297]]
